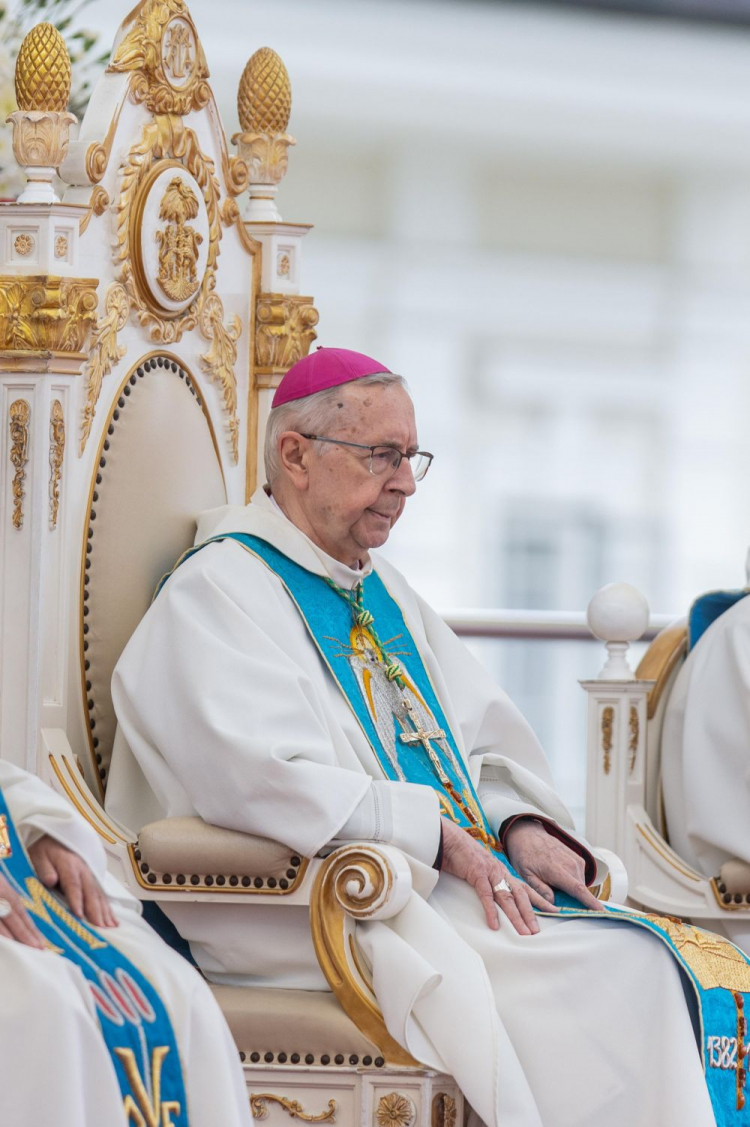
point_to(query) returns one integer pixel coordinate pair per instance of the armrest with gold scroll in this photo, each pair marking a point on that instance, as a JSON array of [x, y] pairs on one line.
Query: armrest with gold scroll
[[187, 859]]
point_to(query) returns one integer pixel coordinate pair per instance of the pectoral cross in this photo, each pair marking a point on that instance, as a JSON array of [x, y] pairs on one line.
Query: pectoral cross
[[418, 735]]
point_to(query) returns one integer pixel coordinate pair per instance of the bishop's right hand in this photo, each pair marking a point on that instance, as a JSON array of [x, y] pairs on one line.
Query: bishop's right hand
[[15, 921], [466, 858]]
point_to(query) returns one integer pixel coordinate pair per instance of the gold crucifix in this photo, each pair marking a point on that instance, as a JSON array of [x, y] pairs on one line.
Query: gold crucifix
[[416, 734]]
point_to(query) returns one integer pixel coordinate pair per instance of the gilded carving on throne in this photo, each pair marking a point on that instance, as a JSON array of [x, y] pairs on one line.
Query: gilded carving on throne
[[170, 230], [178, 242], [178, 51], [162, 51]]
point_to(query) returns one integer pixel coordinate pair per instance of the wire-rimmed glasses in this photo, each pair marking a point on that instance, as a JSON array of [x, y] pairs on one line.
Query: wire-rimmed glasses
[[384, 461]]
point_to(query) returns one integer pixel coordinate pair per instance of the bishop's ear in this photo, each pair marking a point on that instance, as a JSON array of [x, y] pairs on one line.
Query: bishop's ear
[[294, 455]]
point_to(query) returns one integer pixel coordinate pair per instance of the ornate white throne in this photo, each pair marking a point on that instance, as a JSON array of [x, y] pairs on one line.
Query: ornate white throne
[[624, 809], [145, 323]]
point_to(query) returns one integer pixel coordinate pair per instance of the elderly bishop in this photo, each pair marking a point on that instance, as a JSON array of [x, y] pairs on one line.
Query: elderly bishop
[[288, 682]]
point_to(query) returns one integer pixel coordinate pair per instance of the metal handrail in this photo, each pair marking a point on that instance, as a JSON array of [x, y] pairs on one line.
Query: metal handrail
[[565, 625]]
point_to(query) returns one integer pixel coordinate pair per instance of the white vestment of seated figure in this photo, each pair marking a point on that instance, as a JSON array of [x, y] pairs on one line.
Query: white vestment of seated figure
[[706, 755], [226, 710], [54, 1065]]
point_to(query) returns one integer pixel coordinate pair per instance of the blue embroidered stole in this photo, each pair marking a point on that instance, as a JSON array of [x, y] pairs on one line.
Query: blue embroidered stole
[[390, 692], [133, 1020]]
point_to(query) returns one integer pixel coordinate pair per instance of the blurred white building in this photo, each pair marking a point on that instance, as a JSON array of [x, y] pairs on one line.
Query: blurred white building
[[541, 216]]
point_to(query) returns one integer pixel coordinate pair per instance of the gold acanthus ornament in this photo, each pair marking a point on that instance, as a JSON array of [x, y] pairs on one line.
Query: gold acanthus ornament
[[165, 138], [634, 726], [444, 1110], [47, 318], [105, 352], [608, 720], [56, 453], [162, 51], [259, 1107], [394, 1110], [41, 123], [179, 243], [284, 330], [98, 204], [220, 360], [19, 416]]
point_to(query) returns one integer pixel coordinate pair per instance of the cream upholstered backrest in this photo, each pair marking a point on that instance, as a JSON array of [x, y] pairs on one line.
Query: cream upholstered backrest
[[157, 468], [661, 663]]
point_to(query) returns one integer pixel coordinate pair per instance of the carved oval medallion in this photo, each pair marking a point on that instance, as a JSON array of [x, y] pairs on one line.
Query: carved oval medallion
[[178, 52], [171, 238]]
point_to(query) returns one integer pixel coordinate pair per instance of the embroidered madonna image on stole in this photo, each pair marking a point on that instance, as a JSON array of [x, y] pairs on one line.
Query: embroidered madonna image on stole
[[133, 1020], [392, 696]]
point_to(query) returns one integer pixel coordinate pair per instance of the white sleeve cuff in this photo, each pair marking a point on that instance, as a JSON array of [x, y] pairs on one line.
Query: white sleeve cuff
[[406, 815]]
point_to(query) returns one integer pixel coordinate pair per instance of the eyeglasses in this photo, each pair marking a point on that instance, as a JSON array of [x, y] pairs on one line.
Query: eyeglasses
[[385, 460]]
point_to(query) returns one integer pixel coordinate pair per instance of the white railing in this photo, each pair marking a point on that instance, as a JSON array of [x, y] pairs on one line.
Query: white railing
[[550, 624]]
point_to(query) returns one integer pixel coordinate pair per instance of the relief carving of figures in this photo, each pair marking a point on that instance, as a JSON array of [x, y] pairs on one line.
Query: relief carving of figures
[[284, 330], [105, 352], [179, 242], [56, 452], [220, 359], [19, 416], [167, 137]]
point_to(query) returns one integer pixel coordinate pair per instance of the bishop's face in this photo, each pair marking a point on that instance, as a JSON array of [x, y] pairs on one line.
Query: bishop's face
[[346, 508]]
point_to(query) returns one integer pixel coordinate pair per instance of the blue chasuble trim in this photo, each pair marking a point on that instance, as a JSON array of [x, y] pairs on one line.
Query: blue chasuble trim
[[409, 733], [707, 608], [132, 1017]]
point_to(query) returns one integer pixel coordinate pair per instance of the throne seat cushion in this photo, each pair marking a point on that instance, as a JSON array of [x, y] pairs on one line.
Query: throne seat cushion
[[189, 845], [306, 1023]]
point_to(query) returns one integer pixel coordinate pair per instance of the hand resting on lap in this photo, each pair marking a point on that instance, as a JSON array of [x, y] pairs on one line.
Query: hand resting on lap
[[57, 867], [543, 861]]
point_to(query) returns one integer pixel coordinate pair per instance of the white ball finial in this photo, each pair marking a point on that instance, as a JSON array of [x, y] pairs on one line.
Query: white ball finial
[[618, 614]]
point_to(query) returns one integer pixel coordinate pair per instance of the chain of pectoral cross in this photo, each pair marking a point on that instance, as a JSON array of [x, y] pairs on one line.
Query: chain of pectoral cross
[[414, 734], [366, 621]]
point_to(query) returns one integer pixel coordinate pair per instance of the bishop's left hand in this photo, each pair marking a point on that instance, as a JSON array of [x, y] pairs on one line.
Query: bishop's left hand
[[58, 867], [546, 863]]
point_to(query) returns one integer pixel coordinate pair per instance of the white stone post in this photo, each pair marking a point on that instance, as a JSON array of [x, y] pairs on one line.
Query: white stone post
[[618, 614], [47, 312]]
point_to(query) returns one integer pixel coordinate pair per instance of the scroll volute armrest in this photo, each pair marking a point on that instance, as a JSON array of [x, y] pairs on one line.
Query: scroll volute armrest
[[188, 847]]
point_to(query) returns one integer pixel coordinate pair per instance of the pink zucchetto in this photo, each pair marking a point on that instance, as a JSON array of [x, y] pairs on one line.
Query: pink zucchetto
[[326, 367]]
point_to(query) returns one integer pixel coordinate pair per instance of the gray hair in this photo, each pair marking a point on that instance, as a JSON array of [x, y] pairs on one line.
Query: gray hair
[[314, 414]]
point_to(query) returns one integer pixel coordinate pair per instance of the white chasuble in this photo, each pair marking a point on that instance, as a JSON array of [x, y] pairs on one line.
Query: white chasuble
[[226, 710], [55, 1070], [706, 755]]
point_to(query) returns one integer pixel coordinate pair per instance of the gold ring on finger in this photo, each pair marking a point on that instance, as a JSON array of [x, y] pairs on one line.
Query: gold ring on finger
[[502, 886]]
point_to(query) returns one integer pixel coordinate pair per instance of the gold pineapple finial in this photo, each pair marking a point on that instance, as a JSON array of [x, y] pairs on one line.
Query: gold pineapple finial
[[264, 96], [42, 122], [43, 71], [264, 103]]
